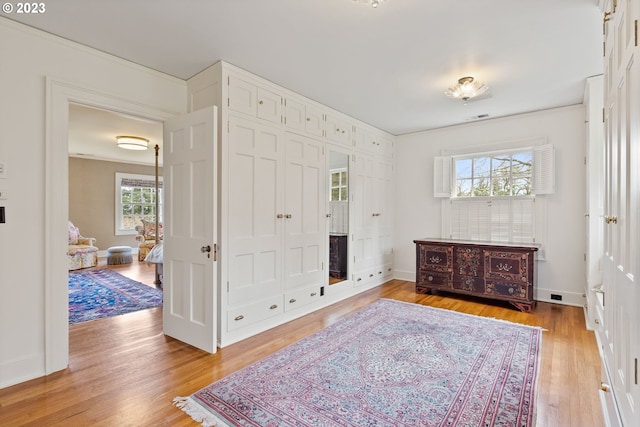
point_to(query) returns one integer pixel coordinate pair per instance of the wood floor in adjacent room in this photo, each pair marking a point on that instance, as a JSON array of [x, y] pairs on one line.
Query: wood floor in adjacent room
[[124, 372]]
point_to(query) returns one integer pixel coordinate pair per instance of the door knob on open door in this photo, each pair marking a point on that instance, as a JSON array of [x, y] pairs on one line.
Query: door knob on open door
[[205, 249]]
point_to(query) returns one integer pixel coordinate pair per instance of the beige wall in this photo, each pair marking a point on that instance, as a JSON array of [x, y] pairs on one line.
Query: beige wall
[[92, 199]]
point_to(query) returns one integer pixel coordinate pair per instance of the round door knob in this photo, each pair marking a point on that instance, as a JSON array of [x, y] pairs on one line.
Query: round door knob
[[205, 249]]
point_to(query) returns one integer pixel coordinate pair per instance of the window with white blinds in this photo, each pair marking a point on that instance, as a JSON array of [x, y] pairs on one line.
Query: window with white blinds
[[508, 219], [495, 196]]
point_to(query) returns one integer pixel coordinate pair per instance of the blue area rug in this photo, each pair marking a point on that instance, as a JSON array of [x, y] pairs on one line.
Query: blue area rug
[[390, 364], [96, 294]]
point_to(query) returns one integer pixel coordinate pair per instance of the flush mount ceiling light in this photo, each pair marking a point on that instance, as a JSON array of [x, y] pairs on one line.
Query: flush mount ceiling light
[[132, 142], [373, 3], [466, 88]]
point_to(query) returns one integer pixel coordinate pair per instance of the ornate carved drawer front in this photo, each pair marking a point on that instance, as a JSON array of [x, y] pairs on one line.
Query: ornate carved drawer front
[[506, 266], [468, 261], [510, 290], [468, 284], [434, 278], [436, 258]]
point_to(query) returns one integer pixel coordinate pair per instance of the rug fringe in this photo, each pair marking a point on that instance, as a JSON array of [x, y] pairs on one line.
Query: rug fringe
[[198, 413]]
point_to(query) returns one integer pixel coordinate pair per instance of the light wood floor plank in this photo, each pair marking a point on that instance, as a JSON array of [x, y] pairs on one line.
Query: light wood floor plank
[[123, 371]]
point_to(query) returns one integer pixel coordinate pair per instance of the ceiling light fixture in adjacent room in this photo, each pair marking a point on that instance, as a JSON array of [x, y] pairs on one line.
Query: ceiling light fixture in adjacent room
[[466, 88], [373, 3], [132, 142]]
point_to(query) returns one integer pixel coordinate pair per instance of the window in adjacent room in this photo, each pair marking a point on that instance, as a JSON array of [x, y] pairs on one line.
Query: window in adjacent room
[[136, 200]]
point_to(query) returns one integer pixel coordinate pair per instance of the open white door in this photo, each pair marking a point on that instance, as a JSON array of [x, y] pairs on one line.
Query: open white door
[[189, 313]]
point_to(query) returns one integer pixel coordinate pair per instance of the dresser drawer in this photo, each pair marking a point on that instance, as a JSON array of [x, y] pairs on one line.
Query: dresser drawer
[[468, 283], [435, 258], [434, 278], [467, 261], [508, 266], [509, 290]]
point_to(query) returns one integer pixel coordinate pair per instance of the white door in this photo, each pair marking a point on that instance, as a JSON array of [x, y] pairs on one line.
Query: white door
[[304, 219], [622, 203], [190, 228]]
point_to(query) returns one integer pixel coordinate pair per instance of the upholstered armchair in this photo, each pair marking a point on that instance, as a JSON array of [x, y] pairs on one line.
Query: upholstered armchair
[[82, 252], [146, 237]]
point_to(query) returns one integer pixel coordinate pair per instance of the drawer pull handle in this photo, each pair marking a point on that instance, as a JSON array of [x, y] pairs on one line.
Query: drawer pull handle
[[371, 275], [511, 290], [273, 307], [604, 387], [379, 272], [430, 278], [313, 294], [292, 300], [239, 317], [359, 279], [261, 102]]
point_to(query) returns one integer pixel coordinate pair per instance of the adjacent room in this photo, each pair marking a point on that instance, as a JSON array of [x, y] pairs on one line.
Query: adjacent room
[[337, 212]]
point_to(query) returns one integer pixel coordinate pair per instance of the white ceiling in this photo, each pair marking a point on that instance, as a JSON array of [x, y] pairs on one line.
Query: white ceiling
[[387, 66]]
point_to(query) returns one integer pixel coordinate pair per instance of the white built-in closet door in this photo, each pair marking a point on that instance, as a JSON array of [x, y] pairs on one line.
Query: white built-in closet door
[[255, 211], [305, 192]]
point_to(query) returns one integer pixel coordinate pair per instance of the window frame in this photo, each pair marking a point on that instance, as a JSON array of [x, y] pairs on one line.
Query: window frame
[[342, 185], [151, 179]]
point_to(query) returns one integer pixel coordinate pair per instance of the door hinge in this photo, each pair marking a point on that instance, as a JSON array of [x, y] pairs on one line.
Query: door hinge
[[215, 251], [635, 26], [227, 286], [635, 361], [602, 114]]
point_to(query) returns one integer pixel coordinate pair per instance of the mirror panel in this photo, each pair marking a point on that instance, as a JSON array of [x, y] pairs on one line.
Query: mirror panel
[[338, 173]]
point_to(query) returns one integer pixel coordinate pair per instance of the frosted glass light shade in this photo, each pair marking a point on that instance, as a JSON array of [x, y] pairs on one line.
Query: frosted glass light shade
[[132, 142]]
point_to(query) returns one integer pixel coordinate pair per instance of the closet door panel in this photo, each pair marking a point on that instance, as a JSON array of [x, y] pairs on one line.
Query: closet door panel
[[303, 223], [254, 205]]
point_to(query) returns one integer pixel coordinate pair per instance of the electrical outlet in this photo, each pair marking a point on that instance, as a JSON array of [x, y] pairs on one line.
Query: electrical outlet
[[556, 297]]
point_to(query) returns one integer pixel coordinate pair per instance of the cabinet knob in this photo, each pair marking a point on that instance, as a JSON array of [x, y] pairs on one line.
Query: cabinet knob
[[287, 216], [313, 294], [279, 216], [261, 102], [308, 119], [604, 387], [239, 317], [292, 300], [273, 307], [430, 278]]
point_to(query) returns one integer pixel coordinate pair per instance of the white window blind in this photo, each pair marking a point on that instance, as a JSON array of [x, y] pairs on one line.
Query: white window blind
[[509, 219]]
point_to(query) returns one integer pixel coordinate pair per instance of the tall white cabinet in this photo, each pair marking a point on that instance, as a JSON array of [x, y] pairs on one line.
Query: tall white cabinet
[[618, 329], [274, 193]]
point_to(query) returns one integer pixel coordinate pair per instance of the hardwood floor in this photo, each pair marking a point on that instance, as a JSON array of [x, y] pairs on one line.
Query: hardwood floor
[[124, 372]]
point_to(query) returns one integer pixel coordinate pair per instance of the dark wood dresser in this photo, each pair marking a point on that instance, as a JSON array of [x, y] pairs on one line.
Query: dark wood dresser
[[338, 256], [500, 271]]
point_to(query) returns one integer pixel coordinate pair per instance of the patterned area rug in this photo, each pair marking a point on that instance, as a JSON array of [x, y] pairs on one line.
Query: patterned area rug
[[95, 294], [389, 364]]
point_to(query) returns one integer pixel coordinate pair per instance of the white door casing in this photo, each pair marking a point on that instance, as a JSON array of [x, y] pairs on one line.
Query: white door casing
[[190, 183]]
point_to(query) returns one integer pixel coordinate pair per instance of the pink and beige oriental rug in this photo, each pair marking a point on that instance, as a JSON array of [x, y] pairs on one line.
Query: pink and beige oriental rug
[[390, 364]]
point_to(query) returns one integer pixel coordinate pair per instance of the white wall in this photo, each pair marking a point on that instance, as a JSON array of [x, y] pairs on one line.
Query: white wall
[[28, 56], [418, 213]]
